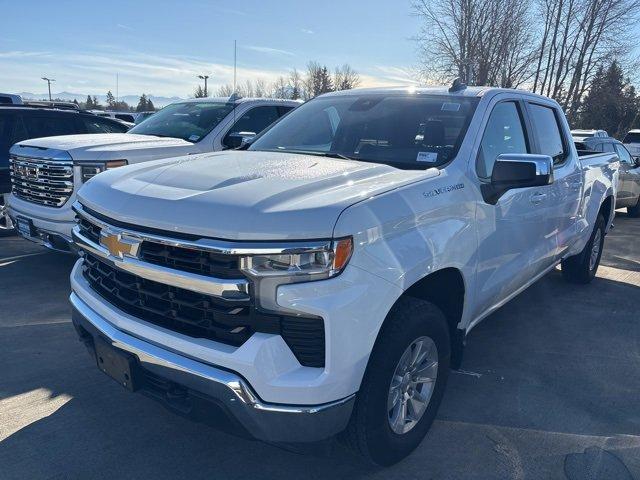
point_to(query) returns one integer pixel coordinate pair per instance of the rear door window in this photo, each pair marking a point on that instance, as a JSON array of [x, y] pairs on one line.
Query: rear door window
[[37, 126], [547, 131]]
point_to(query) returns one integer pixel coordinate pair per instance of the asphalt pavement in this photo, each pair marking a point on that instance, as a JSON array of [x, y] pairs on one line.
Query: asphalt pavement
[[549, 389]]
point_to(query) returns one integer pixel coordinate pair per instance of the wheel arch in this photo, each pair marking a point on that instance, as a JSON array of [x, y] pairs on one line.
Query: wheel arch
[[446, 289]]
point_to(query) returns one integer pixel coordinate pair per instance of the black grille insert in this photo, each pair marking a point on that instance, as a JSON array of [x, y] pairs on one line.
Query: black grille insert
[[203, 316], [191, 260]]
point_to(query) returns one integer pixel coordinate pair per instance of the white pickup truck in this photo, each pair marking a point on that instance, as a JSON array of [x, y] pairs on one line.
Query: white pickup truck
[[324, 280], [46, 172]]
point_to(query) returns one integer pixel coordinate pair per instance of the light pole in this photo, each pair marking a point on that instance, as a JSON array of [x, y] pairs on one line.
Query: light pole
[[48, 80], [204, 77]]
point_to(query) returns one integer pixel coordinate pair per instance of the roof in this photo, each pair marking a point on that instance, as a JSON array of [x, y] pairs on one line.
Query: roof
[[468, 91], [240, 100]]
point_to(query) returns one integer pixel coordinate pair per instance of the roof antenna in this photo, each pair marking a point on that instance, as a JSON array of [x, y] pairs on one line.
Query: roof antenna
[[457, 85]]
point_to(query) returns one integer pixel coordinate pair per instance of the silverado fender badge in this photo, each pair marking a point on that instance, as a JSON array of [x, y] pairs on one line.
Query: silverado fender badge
[[446, 189]]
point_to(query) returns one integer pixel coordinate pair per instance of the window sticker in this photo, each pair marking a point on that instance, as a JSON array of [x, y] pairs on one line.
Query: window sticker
[[427, 157], [450, 107], [194, 138]]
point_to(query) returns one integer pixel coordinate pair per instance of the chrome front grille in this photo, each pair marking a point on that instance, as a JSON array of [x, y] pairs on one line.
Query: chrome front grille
[[45, 182]]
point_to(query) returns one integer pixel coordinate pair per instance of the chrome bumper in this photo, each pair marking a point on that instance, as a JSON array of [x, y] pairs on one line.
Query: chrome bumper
[[263, 421]]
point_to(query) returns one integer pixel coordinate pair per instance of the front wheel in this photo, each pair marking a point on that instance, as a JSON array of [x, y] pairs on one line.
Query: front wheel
[[403, 384], [582, 268], [634, 211]]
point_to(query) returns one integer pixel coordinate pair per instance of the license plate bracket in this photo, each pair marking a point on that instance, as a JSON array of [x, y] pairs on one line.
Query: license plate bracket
[[119, 365], [25, 227]]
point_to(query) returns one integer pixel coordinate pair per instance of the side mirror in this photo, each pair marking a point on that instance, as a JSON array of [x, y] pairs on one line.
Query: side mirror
[[239, 139], [636, 162], [517, 171]]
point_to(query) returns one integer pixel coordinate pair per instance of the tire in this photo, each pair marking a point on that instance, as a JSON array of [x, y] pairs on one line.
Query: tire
[[634, 211], [582, 268], [370, 432]]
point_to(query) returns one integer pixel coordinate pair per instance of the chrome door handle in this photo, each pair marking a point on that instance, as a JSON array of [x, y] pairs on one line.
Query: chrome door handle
[[537, 198]]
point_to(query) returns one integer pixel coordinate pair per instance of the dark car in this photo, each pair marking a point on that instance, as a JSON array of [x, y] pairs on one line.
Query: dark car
[[21, 122]]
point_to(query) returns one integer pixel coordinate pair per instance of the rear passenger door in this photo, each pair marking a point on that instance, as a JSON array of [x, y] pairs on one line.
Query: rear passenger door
[[42, 124], [629, 183], [562, 204], [513, 234]]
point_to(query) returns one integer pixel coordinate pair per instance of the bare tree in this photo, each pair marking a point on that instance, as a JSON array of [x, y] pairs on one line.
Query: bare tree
[[225, 90], [481, 41], [579, 36], [260, 88], [280, 88], [345, 78], [297, 87]]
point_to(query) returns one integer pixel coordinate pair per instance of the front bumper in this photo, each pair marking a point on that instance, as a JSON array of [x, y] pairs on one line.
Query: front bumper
[[53, 233], [211, 394]]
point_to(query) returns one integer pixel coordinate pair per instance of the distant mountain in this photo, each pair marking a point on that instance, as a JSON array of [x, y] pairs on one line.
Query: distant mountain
[[81, 97]]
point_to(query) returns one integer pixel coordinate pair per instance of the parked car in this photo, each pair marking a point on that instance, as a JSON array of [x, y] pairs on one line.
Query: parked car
[[184, 128], [582, 134], [9, 98], [19, 122], [632, 142], [629, 181], [325, 279]]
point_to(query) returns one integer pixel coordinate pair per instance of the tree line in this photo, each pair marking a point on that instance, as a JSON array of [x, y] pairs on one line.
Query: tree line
[[91, 103], [316, 80], [565, 49]]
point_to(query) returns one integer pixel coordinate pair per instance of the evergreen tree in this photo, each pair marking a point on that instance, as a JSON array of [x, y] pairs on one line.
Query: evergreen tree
[[142, 103], [611, 103], [89, 103], [199, 92], [150, 106], [95, 102], [111, 100]]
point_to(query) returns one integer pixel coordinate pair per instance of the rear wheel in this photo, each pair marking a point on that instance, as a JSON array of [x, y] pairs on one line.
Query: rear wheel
[[582, 268], [403, 384]]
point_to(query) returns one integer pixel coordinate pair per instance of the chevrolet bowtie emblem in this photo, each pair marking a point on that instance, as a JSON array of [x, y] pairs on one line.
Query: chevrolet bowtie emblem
[[118, 245]]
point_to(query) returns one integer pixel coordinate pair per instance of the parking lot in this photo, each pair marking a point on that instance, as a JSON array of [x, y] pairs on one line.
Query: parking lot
[[549, 389]]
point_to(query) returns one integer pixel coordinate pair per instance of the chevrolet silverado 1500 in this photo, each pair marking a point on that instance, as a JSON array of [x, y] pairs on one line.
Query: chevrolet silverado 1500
[[324, 281], [46, 172]]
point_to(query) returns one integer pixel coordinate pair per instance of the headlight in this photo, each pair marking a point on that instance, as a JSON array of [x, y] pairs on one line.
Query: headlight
[[303, 263], [90, 171]]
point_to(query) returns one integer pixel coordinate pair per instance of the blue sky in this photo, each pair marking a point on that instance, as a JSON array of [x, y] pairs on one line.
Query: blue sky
[[158, 47]]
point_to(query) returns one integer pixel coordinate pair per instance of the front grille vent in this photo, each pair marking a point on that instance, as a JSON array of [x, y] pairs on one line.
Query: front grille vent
[[45, 182]]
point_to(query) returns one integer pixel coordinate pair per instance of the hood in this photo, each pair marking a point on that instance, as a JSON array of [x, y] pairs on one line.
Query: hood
[[109, 146], [241, 195]]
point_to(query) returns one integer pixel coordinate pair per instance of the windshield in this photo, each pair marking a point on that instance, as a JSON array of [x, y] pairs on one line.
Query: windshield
[[190, 121], [405, 131], [631, 137]]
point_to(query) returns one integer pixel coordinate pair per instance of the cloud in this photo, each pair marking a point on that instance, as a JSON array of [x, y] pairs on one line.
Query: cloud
[[269, 50], [124, 27], [307, 31], [94, 72]]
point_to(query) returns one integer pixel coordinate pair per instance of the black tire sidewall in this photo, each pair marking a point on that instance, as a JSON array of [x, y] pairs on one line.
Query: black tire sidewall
[[384, 446]]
